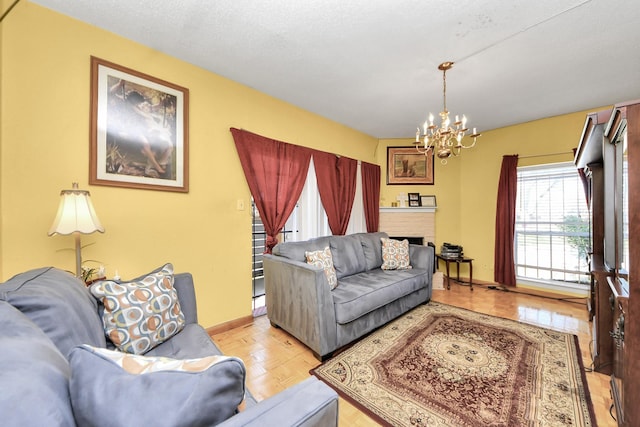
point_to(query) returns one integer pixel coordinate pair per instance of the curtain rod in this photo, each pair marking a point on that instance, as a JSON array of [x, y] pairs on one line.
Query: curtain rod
[[545, 155]]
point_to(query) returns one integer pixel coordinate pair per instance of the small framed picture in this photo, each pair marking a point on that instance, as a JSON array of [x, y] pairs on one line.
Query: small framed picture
[[414, 199], [428, 201]]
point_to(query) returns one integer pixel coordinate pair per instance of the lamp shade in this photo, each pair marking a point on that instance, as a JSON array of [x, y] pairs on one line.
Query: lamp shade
[[75, 214]]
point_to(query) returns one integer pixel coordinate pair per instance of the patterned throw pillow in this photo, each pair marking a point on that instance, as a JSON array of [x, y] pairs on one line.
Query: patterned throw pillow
[[120, 389], [138, 365], [142, 314], [324, 260], [395, 254]]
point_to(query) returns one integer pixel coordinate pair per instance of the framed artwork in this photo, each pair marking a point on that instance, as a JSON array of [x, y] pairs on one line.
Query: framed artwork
[[414, 199], [139, 130], [406, 166], [428, 201]]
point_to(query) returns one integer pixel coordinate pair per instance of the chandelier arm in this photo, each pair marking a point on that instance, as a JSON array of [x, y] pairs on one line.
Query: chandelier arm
[[420, 150], [456, 150], [469, 146]]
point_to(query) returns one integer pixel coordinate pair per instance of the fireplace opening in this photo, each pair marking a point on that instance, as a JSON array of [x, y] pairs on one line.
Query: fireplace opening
[[417, 241], [412, 240]]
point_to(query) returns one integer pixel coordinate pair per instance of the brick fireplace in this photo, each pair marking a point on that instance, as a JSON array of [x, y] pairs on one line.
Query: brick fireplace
[[409, 222]]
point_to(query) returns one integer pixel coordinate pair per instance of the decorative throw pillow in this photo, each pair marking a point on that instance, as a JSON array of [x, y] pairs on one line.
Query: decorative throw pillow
[[324, 260], [395, 254], [142, 314], [111, 388]]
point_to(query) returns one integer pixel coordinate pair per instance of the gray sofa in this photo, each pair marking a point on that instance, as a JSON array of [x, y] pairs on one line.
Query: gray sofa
[[48, 379], [300, 301]]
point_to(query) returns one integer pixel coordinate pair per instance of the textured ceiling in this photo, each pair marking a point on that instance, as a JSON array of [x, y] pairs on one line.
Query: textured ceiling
[[372, 64]]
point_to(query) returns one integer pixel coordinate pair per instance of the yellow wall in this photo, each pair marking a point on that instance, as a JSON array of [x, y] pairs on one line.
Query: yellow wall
[[45, 147], [4, 7]]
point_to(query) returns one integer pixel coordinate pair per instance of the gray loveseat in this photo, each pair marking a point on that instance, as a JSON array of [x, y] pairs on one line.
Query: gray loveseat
[[300, 301], [48, 379]]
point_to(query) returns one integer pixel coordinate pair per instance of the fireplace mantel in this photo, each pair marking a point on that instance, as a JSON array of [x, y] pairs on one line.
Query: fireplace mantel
[[412, 210], [409, 222]]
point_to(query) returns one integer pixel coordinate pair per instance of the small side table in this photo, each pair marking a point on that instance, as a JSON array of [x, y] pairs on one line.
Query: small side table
[[458, 261]]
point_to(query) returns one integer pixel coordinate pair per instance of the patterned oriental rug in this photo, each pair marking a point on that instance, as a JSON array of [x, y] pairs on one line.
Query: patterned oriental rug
[[440, 365]]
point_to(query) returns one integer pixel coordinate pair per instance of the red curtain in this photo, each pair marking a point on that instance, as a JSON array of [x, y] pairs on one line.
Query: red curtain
[[337, 187], [504, 268], [371, 195], [276, 172]]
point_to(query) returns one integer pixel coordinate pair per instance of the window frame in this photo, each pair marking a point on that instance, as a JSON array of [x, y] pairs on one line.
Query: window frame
[[580, 210]]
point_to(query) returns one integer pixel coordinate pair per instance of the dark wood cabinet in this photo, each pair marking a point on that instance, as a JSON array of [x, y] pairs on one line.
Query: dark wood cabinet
[[609, 154], [589, 158]]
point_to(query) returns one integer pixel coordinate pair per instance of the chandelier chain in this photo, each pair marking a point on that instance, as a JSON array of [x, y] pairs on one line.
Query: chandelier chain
[[444, 87]]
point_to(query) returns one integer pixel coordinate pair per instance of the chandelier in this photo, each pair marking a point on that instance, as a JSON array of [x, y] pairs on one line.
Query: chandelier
[[444, 140]]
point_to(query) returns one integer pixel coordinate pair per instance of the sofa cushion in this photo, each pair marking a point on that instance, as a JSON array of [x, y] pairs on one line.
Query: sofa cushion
[[365, 292], [191, 342], [296, 250], [141, 314], [348, 255], [324, 260], [59, 303], [110, 388], [395, 254], [34, 377], [372, 248]]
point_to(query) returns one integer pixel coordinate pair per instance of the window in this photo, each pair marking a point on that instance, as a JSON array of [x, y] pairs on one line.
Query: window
[[552, 230]]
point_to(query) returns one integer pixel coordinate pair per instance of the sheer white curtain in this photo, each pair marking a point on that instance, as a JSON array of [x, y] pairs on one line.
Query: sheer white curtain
[[309, 219], [357, 222]]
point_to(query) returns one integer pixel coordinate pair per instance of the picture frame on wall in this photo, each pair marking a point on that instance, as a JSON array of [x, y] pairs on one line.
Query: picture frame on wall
[[139, 130], [406, 166], [414, 199], [428, 201]]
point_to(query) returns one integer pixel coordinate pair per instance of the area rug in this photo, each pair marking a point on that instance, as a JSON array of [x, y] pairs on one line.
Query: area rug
[[440, 365]]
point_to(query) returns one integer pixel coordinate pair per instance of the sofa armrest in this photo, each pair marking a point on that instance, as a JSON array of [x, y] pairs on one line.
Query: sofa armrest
[[299, 301], [183, 284], [421, 256], [309, 403], [424, 257]]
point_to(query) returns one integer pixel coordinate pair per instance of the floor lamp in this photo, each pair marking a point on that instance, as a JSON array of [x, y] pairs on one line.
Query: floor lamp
[[76, 216]]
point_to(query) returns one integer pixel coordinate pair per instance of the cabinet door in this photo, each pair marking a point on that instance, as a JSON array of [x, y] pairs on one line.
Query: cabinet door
[[618, 334], [603, 320]]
